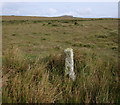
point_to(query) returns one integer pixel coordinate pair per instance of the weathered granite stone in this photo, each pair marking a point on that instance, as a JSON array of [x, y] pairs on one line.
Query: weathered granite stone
[[69, 63]]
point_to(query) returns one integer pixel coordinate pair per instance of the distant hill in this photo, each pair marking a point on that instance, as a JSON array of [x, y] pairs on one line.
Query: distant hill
[[67, 16]]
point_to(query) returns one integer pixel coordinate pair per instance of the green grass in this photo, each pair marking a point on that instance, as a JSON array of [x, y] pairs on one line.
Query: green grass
[[57, 32], [33, 60]]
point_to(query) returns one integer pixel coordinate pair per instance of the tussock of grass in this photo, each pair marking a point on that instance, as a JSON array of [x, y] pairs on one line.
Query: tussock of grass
[[101, 36], [32, 85], [43, 80]]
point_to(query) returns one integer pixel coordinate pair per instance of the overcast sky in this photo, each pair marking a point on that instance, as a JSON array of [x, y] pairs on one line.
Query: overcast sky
[[51, 9], [59, 0]]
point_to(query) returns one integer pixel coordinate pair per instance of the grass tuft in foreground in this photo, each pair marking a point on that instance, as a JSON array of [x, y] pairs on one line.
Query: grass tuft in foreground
[[43, 80]]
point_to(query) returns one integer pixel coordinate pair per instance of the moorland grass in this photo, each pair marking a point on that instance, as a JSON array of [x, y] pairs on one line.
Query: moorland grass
[[33, 70], [43, 80]]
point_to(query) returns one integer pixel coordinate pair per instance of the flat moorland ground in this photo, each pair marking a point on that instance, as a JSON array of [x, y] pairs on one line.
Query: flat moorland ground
[[33, 60], [43, 36]]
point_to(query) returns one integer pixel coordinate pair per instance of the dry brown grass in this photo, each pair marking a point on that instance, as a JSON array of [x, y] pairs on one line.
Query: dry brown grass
[[25, 82], [43, 81]]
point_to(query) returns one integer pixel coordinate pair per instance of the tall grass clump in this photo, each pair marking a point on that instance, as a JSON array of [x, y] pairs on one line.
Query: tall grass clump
[[25, 82], [43, 80]]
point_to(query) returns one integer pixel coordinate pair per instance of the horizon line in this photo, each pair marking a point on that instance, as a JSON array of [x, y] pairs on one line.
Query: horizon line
[[70, 16]]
